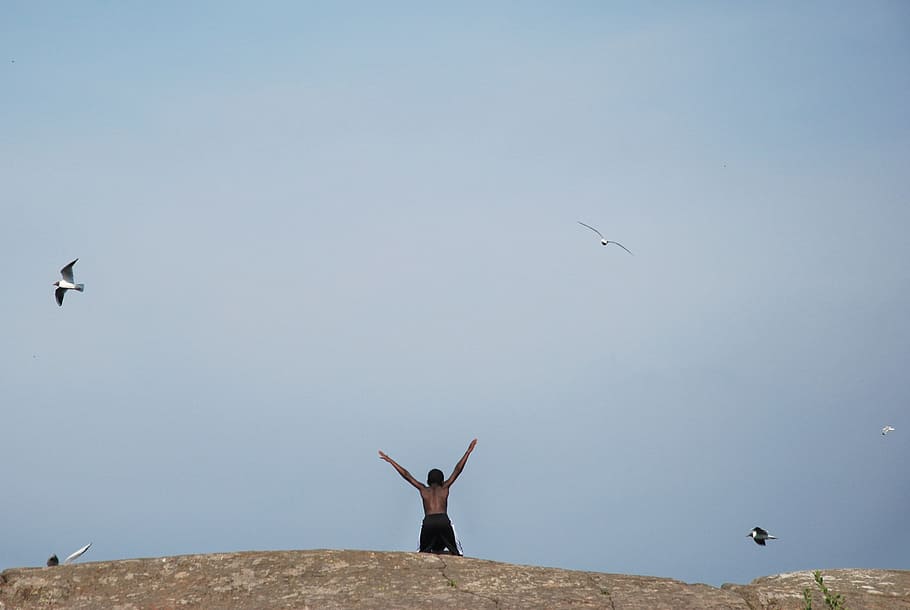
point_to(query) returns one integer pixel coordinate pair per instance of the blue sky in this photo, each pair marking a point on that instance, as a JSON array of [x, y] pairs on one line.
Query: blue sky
[[309, 231]]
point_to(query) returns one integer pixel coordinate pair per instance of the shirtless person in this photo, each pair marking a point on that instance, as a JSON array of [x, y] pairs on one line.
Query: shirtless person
[[436, 534]]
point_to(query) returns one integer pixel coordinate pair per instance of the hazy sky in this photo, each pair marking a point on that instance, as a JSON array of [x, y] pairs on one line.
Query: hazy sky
[[309, 231]]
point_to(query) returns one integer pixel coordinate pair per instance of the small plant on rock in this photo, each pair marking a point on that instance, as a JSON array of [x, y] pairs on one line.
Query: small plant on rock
[[834, 601]]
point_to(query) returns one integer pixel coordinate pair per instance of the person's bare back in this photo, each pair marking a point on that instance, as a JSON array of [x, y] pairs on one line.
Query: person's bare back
[[436, 534], [435, 499]]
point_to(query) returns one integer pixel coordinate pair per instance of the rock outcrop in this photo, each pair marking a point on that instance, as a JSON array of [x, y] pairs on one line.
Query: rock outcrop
[[403, 581], [862, 589]]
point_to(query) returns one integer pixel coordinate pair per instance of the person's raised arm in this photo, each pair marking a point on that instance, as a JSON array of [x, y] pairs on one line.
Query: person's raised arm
[[460, 465], [404, 473]]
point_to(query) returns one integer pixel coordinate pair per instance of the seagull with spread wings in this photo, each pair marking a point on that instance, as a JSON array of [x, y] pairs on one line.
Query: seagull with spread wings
[[67, 283], [53, 561], [77, 554], [759, 535], [603, 240]]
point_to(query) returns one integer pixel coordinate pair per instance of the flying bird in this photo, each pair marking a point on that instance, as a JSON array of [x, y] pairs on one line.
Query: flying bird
[[66, 283], [759, 535], [77, 554], [603, 240], [54, 561], [887, 429]]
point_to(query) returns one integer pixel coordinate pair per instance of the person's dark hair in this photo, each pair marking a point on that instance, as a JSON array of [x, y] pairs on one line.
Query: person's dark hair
[[435, 477]]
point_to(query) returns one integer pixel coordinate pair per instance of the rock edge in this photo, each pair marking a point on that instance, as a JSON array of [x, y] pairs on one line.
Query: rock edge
[[332, 579]]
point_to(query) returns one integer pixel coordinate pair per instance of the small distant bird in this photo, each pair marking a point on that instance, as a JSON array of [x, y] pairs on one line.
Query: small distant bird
[[759, 535], [603, 240], [77, 554], [66, 283], [887, 429], [53, 561]]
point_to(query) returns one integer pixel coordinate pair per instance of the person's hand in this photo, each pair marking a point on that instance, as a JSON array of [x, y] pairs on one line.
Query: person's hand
[[471, 446], [383, 456]]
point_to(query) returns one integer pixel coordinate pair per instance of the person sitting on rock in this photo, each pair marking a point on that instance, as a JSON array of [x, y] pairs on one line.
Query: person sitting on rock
[[436, 533]]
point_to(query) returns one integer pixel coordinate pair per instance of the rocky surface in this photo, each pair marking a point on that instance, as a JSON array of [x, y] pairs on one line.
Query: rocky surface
[[862, 590], [366, 580]]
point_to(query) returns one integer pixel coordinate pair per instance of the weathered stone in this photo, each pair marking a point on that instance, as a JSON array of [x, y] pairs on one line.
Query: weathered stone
[[862, 590], [311, 580]]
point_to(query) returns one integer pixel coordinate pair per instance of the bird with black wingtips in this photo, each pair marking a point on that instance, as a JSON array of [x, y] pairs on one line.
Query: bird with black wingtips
[[887, 429], [67, 283], [54, 561], [76, 554], [759, 535], [603, 240]]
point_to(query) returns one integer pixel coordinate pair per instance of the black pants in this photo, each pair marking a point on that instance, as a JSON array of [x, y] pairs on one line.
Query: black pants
[[437, 535]]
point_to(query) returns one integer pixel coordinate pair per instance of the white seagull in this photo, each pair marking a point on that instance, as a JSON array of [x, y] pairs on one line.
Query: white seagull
[[887, 429], [759, 535], [66, 283], [53, 561], [77, 554], [603, 240]]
